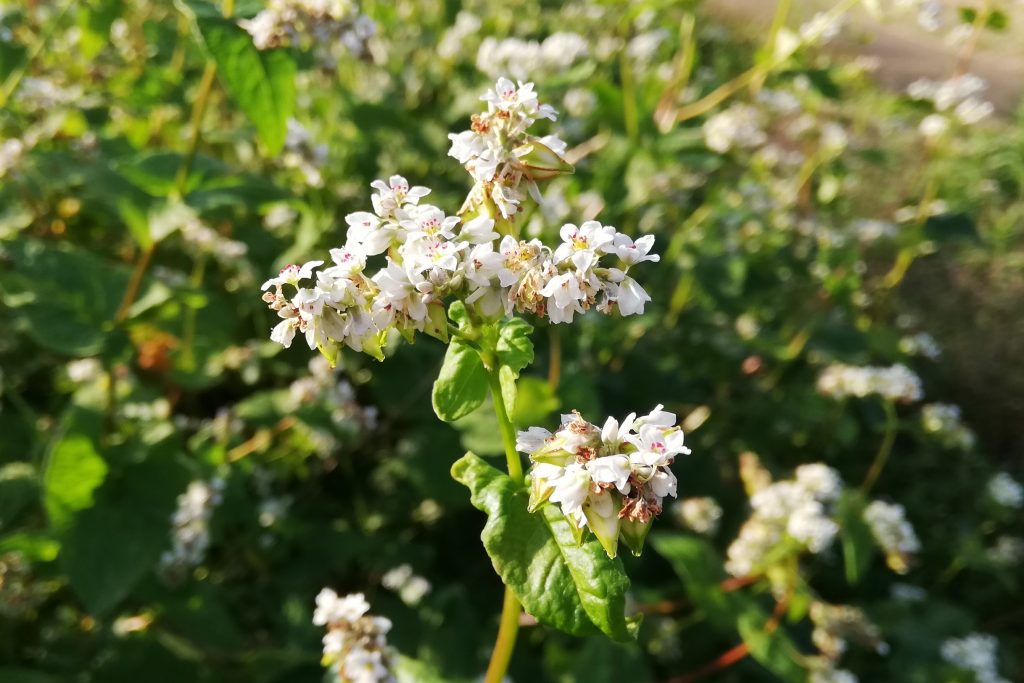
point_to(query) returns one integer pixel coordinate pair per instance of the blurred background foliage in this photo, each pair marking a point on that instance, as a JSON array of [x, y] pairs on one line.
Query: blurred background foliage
[[137, 225]]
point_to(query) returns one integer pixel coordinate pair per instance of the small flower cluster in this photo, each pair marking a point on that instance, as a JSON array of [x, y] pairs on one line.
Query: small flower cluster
[[977, 653], [798, 510], [304, 154], [610, 479], [828, 674], [1008, 551], [961, 94], [699, 514], [316, 22], [921, 344], [893, 533], [1006, 491], [738, 127], [944, 420], [410, 587], [522, 59], [501, 156], [896, 383], [333, 392], [20, 592], [834, 625], [190, 533], [355, 646]]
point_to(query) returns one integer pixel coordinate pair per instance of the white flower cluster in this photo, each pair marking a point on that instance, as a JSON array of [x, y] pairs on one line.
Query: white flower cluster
[[1006, 491], [410, 587], [1008, 551], [738, 127], [921, 344], [610, 479], [893, 533], [829, 674], [798, 510], [834, 625], [190, 533], [355, 646], [896, 383], [944, 420], [977, 653], [11, 152], [499, 153], [321, 23], [428, 260], [452, 43], [961, 94], [700, 514], [523, 59], [304, 154], [335, 393]]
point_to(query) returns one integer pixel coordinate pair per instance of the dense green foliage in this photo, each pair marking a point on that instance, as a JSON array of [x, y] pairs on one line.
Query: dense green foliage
[[158, 183]]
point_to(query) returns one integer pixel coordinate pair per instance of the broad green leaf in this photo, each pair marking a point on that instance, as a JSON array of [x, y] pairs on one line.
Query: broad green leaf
[[515, 350], [461, 386], [260, 82], [18, 488], [701, 570], [858, 543], [573, 587], [67, 296], [74, 469], [479, 432], [112, 545]]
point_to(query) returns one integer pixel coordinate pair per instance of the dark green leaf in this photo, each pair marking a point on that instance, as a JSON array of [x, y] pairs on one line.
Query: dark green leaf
[[461, 385], [117, 541], [260, 82], [18, 488], [573, 587]]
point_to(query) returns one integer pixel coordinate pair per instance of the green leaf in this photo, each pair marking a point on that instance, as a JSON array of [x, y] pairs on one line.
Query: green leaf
[[700, 568], [858, 542], [515, 350], [260, 82], [74, 469], [34, 547], [18, 488], [461, 386], [66, 295], [573, 587], [113, 544]]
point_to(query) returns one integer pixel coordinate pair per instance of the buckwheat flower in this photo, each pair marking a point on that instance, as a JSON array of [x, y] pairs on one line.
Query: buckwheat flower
[[610, 481], [355, 645], [896, 383], [834, 625], [904, 592], [699, 514], [976, 653], [944, 420], [922, 344], [738, 127], [410, 588], [291, 275], [1008, 551], [893, 533], [798, 509], [832, 675], [190, 529], [1006, 491]]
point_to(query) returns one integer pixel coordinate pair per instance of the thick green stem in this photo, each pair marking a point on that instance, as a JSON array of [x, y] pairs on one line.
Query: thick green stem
[[505, 643], [508, 432]]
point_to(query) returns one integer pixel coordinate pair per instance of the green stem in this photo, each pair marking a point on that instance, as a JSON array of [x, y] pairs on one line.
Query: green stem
[[508, 627], [508, 432], [884, 450]]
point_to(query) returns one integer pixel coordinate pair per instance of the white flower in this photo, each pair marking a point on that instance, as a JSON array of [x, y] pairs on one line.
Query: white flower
[[896, 383], [292, 274], [190, 532], [700, 514], [893, 533], [977, 653], [355, 644], [1006, 491]]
